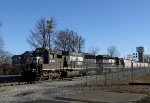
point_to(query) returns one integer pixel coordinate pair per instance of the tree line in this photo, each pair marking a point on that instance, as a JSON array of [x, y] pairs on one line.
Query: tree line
[[44, 35]]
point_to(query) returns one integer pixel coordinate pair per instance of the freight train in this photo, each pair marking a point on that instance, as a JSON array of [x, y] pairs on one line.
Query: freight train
[[44, 63]]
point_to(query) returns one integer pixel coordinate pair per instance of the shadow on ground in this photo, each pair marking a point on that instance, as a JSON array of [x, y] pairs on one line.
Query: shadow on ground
[[42, 101]]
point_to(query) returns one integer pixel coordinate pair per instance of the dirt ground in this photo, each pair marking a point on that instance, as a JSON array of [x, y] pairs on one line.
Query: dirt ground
[[124, 87], [45, 90]]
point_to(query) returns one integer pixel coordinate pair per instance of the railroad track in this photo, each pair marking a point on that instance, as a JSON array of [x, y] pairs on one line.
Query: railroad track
[[31, 82], [21, 83]]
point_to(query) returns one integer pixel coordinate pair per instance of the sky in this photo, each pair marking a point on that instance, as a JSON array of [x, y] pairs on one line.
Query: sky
[[103, 23]]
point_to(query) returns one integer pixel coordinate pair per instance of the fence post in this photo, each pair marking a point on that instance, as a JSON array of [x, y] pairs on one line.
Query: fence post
[[123, 72], [86, 73], [105, 77], [112, 78], [132, 70], [118, 75], [148, 68], [96, 74], [141, 69], [96, 78]]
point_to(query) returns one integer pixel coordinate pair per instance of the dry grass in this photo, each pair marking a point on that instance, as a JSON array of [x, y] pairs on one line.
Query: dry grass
[[123, 87], [143, 79], [140, 79]]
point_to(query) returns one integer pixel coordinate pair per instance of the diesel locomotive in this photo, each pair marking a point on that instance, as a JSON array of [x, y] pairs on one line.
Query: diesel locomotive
[[44, 63]]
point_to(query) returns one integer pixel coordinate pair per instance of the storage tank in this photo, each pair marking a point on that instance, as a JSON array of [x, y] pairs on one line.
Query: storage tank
[[140, 50]]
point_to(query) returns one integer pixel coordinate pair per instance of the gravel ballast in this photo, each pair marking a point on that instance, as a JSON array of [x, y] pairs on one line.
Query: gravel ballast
[[48, 90]]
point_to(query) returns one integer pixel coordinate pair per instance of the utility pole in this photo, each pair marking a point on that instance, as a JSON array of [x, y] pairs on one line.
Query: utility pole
[[49, 27], [44, 41]]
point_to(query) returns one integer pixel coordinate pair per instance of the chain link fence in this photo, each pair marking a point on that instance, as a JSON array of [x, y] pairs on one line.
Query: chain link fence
[[109, 75]]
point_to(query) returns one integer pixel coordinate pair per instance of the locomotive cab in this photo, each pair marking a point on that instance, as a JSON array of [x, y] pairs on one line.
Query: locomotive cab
[[33, 69], [35, 60]]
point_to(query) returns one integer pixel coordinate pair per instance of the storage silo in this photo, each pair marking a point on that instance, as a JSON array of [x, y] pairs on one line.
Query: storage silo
[[140, 50]]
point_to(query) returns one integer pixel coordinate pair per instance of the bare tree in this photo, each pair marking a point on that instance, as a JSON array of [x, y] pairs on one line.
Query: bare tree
[[68, 40], [112, 51], [5, 58], [93, 50], [80, 43], [1, 41], [42, 33], [1, 44]]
